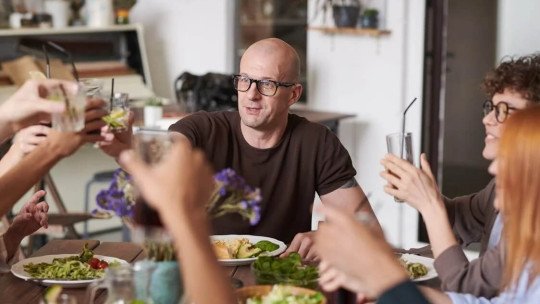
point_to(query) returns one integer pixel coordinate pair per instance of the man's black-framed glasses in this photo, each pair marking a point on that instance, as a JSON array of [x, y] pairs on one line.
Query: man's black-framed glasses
[[266, 87], [502, 109]]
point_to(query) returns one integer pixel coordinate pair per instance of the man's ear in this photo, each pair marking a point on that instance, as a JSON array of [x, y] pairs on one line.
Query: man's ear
[[296, 92]]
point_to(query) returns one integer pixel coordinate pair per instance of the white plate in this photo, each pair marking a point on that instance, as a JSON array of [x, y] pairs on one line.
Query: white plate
[[18, 270], [252, 239], [428, 262]]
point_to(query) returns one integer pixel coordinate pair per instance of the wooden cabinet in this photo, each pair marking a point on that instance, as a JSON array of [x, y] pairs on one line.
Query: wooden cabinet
[[116, 51]]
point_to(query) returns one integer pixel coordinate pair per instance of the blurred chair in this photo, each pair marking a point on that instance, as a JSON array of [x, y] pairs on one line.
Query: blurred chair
[[209, 92]]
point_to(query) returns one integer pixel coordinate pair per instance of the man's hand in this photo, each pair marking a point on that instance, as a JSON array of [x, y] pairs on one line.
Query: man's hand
[[113, 144], [303, 244], [28, 105]]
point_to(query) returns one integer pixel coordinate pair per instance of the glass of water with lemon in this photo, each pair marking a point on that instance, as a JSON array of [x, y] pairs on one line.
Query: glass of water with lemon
[[118, 118]]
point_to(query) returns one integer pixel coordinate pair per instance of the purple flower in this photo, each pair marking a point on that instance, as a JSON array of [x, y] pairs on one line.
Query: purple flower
[[233, 195], [118, 197]]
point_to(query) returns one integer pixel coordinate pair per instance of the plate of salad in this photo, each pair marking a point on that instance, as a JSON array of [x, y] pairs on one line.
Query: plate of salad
[[235, 250], [66, 270]]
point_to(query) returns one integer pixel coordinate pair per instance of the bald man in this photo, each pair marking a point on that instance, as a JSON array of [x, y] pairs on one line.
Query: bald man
[[285, 155]]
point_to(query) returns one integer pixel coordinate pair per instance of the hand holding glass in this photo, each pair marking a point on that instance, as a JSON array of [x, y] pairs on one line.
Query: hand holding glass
[[118, 118], [74, 99], [400, 144]]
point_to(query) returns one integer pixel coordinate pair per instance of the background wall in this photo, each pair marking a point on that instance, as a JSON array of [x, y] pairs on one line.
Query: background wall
[[187, 35], [374, 78], [518, 27]]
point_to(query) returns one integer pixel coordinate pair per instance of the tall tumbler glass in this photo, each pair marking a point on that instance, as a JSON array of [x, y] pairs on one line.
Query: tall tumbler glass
[[150, 145], [74, 99], [400, 144]]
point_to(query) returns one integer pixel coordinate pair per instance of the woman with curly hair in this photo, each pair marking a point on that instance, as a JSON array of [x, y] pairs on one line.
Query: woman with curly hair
[[368, 266], [512, 86]]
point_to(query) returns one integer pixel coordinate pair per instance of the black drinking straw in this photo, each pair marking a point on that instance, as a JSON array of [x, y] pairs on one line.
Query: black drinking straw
[[48, 66], [403, 127], [68, 55], [112, 95]]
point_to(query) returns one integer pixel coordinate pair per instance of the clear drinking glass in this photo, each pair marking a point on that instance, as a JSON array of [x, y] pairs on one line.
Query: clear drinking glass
[[150, 145], [92, 87], [119, 112], [400, 144], [74, 98]]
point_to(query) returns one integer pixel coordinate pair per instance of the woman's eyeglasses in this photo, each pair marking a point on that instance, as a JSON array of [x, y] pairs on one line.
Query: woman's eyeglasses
[[502, 109]]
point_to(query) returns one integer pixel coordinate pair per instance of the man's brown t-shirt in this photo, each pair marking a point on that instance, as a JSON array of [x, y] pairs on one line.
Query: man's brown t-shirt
[[309, 158]]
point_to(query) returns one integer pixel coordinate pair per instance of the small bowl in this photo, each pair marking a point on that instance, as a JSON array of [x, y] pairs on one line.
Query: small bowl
[[244, 293]]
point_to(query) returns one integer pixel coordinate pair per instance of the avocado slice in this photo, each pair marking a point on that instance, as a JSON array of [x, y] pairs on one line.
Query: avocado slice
[[247, 250]]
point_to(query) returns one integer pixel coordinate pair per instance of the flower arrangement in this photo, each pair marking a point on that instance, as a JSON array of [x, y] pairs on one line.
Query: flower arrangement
[[232, 195], [120, 197]]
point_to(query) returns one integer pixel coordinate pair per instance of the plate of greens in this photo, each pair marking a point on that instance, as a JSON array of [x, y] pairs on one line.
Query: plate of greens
[[235, 250], [67, 270], [418, 267]]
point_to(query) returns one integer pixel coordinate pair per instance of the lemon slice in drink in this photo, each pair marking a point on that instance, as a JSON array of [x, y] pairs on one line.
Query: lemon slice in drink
[[37, 75], [52, 293]]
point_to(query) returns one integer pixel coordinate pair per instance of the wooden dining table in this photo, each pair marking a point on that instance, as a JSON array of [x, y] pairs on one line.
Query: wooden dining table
[[15, 290]]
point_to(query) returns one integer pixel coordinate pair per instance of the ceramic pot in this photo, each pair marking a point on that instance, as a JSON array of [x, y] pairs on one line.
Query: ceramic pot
[[151, 115], [346, 15], [371, 22], [166, 284]]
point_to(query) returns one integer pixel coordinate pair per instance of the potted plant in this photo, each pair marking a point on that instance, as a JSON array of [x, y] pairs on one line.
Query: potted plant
[[345, 12], [153, 111], [370, 18]]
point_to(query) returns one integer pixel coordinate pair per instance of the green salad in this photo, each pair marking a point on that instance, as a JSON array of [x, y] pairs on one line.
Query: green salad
[[76, 267], [282, 295], [287, 270]]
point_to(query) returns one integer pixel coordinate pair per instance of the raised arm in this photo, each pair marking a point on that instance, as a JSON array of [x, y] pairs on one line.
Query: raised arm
[[178, 187], [417, 187]]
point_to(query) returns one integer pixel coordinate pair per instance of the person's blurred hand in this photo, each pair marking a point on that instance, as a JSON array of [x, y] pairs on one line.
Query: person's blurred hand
[[417, 187], [113, 144], [27, 139], [31, 217], [93, 122], [181, 183], [360, 254], [28, 105], [64, 143]]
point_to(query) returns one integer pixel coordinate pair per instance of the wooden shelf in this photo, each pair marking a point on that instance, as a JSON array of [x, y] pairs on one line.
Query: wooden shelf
[[351, 31]]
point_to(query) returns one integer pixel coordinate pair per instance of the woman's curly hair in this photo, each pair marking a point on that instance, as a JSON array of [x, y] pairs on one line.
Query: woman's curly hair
[[521, 75]]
